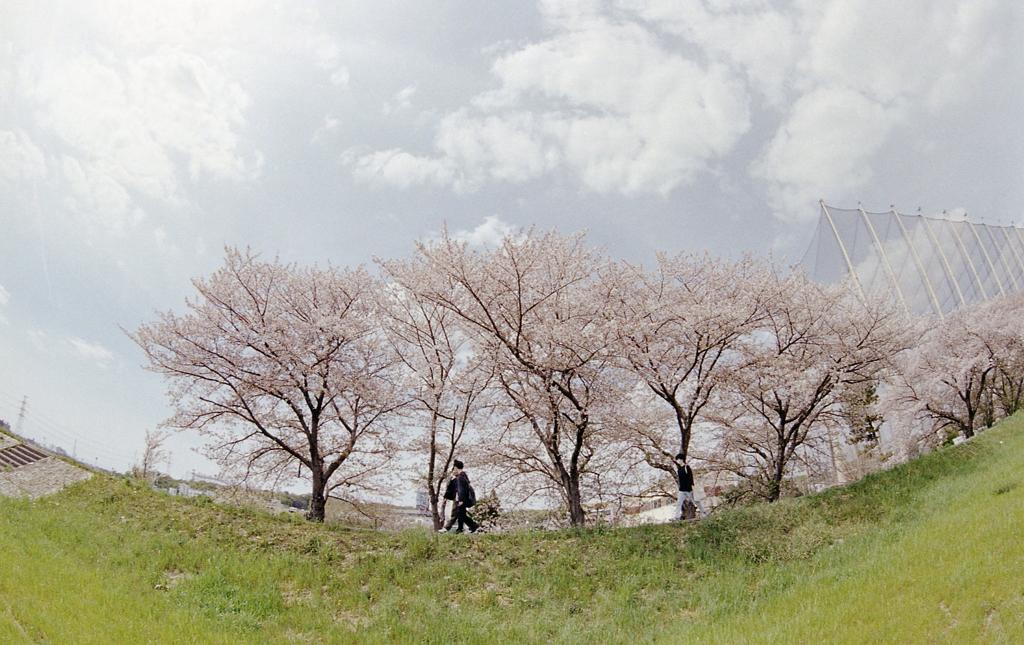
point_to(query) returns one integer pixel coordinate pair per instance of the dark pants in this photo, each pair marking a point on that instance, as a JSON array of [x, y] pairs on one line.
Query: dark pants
[[462, 517]]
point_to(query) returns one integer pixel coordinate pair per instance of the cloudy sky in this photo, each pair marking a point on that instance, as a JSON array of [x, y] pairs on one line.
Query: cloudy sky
[[138, 138]]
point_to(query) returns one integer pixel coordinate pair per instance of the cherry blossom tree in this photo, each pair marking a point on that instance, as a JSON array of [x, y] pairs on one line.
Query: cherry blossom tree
[[284, 368], [1008, 384], [447, 382], [967, 371], [1001, 328], [678, 327], [535, 308], [813, 343], [153, 454]]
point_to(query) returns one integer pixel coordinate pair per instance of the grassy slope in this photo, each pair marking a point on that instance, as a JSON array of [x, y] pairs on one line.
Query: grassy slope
[[949, 572], [930, 552]]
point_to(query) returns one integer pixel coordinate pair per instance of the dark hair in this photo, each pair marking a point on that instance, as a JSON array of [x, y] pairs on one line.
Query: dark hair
[[681, 457], [458, 464]]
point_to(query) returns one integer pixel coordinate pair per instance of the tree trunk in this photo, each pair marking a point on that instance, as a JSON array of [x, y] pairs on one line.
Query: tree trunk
[[685, 424], [433, 487], [317, 499], [572, 493], [968, 428], [435, 514], [778, 471]]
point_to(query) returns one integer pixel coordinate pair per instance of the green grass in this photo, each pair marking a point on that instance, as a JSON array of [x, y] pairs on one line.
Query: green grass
[[930, 552]]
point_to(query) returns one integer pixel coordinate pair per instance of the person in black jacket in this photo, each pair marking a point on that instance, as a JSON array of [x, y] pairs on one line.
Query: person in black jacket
[[684, 474], [462, 495], [449, 496]]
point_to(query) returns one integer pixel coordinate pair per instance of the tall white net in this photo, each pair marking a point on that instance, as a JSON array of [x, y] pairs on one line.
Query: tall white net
[[931, 265]]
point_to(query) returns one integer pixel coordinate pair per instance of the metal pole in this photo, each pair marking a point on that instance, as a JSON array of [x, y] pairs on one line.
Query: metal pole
[[967, 256], [842, 247], [984, 251], [885, 257], [920, 264], [1018, 246], [945, 260], [1018, 235], [21, 416], [1013, 249], [1002, 255]]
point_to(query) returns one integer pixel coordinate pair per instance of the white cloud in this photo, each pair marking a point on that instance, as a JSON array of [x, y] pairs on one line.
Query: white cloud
[[20, 159], [513, 147], [90, 352], [401, 169], [923, 49], [402, 100], [132, 120], [640, 96], [844, 73], [637, 117], [340, 77], [404, 95], [757, 37], [147, 97], [327, 55], [192, 107], [605, 100], [71, 347], [870, 67], [824, 149], [126, 122], [327, 127], [490, 233], [94, 197]]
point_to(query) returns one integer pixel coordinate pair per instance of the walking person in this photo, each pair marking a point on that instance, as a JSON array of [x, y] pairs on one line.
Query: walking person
[[465, 497], [684, 474], [449, 496]]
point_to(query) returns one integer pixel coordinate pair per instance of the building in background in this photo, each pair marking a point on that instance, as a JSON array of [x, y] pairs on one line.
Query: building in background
[[931, 265], [422, 502]]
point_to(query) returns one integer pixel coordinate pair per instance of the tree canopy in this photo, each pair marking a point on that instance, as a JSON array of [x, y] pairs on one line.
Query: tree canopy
[[556, 371]]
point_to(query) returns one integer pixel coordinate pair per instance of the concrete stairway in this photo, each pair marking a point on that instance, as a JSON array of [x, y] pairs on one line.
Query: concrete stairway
[[27, 471]]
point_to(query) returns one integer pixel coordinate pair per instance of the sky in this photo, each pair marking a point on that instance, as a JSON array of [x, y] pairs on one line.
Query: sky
[[137, 139]]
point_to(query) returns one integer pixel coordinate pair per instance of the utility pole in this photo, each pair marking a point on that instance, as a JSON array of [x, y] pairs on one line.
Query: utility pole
[[21, 416]]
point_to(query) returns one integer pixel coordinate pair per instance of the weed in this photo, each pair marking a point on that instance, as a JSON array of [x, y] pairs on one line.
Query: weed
[[1005, 488]]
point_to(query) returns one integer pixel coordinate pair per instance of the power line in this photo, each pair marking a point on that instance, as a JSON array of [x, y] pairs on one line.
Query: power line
[[39, 428]]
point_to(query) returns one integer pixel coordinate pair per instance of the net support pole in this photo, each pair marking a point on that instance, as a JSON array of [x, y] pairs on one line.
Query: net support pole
[[945, 260], [984, 252], [1013, 249], [1020, 243], [1002, 256], [885, 258], [842, 247], [967, 257], [920, 265]]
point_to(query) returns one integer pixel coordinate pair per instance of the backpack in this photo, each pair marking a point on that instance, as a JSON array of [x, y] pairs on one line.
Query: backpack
[[470, 500]]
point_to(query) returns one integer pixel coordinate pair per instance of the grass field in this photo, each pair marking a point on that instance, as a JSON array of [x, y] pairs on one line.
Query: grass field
[[930, 552]]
